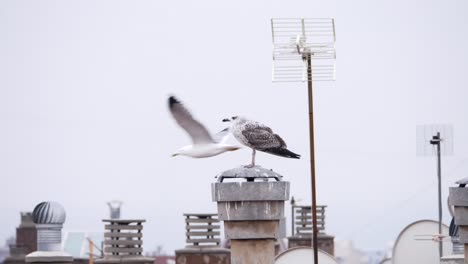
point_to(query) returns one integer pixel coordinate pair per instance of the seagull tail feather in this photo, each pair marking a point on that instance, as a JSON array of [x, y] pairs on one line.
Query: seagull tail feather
[[282, 152]]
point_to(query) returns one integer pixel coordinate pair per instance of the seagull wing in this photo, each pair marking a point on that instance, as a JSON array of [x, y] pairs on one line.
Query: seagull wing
[[222, 135], [262, 137], [195, 129]]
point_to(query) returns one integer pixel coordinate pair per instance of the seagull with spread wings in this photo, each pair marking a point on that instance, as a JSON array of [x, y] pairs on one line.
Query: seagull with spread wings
[[204, 145], [258, 137]]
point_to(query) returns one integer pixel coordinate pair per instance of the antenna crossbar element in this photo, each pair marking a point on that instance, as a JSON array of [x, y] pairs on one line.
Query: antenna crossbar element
[[426, 138], [294, 39]]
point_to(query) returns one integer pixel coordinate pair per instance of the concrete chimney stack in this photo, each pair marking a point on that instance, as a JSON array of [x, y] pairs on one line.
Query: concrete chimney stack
[[302, 229], [203, 241], [458, 198], [123, 242], [251, 209], [26, 240]]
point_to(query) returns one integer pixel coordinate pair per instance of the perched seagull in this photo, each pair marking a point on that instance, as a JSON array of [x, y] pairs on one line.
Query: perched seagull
[[204, 145], [258, 137]]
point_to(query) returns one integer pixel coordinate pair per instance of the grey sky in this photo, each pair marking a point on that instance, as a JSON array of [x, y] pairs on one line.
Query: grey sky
[[84, 84]]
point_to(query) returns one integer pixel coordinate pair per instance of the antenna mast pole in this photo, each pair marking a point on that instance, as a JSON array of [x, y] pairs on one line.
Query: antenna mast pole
[[436, 134], [312, 155], [296, 42], [436, 141]]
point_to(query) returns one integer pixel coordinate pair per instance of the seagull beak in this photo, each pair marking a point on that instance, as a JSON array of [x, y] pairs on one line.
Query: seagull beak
[[175, 154], [233, 148], [226, 120]]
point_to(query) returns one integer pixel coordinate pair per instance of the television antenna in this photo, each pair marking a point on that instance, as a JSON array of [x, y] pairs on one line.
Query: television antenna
[[304, 50], [440, 137]]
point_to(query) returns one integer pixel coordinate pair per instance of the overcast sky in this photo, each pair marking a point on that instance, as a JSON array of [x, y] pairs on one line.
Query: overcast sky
[[84, 119]]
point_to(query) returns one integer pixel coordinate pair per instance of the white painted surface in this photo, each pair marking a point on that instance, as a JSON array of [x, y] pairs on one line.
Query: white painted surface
[[415, 244], [301, 255]]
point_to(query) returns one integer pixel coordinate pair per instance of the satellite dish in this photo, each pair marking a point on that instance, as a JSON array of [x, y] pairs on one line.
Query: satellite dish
[[416, 243], [299, 255]]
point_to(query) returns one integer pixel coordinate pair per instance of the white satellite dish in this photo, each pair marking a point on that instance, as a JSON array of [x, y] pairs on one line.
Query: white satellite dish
[[299, 255], [417, 243]]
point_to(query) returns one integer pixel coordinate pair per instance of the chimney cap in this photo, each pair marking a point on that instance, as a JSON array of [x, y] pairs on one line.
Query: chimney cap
[[463, 181], [124, 221], [250, 174]]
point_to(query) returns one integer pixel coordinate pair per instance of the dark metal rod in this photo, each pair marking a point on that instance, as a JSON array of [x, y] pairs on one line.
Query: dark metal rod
[[312, 157], [436, 140], [292, 220], [439, 176]]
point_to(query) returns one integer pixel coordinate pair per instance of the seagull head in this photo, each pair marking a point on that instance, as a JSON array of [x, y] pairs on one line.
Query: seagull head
[[230, 119]]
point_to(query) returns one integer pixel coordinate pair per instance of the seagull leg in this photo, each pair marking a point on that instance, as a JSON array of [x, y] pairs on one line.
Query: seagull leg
[[253, 160]]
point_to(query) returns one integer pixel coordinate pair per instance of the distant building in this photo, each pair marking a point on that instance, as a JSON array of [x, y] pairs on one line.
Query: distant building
[[164, 260], [4, 252], [346, 253], [160, 256], [26, 240]]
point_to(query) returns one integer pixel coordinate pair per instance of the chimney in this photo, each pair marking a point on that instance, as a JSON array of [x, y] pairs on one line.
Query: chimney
[[251, 208], [123, 242], [203, 242], [26, 240], [302, 229], [49, 218], [458, 198]]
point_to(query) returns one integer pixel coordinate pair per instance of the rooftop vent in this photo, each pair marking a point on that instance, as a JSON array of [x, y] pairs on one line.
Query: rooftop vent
[[123, 237], [302, 220], [202, 230]]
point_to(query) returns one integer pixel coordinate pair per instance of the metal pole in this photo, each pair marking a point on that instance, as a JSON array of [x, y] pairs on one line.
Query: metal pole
[[312, 156], [91, 248], [292, 220], [439, 176], [436, 141]]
